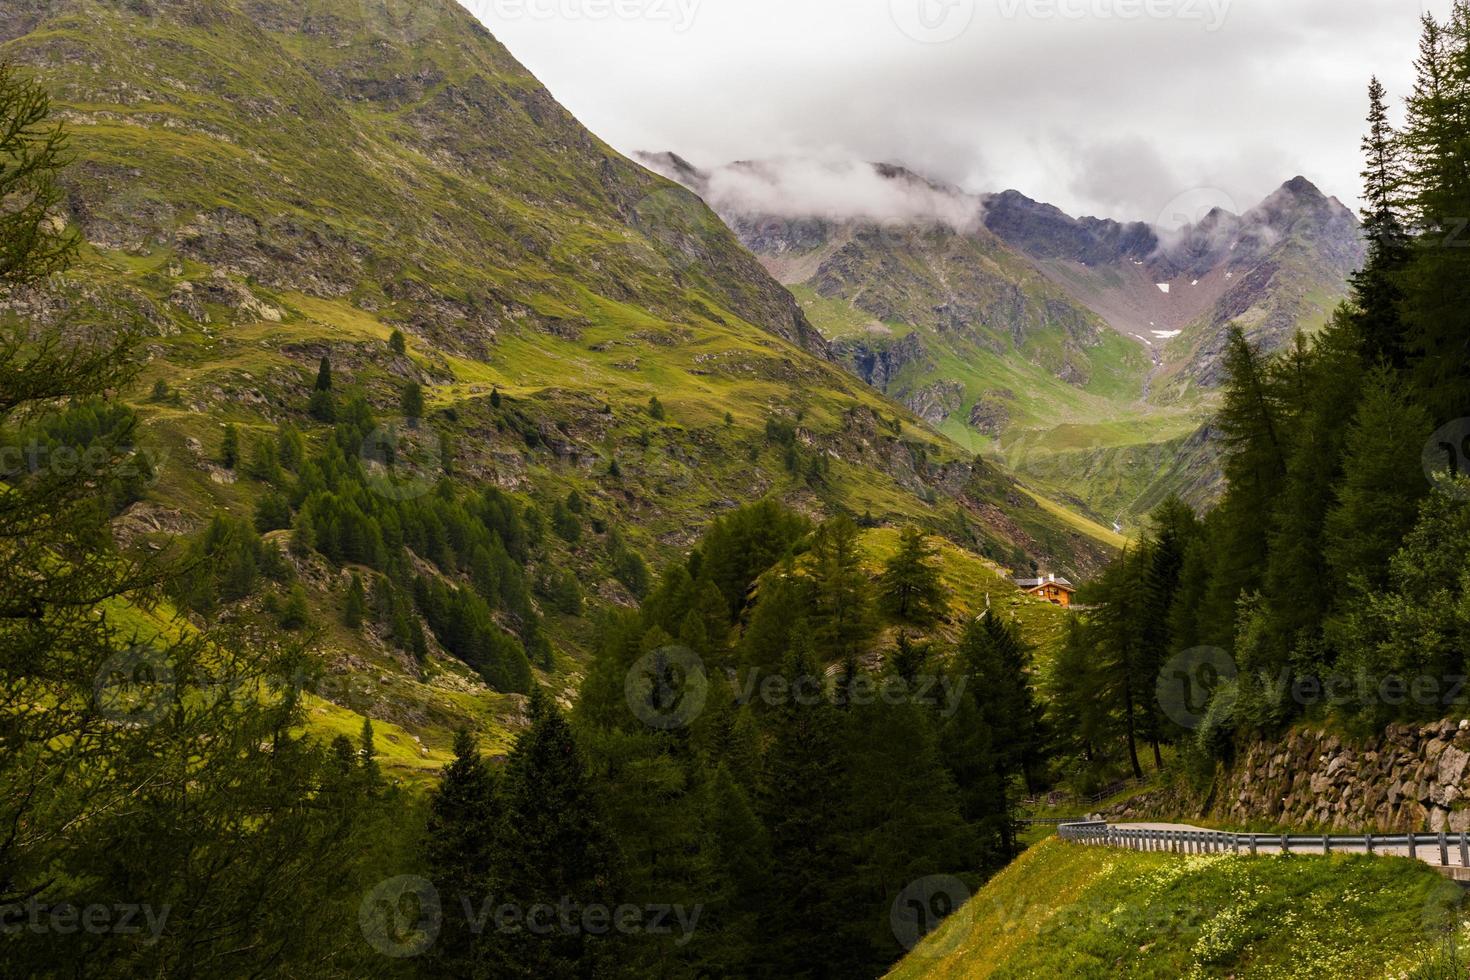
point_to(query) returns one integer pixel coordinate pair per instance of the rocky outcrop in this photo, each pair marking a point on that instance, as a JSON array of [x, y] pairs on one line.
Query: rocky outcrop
[[992, 412], [937, 402], [1407, 779], [879, 363]]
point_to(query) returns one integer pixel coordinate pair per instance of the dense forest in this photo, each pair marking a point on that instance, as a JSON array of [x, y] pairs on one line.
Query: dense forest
[[1331, 582], [747, 782]]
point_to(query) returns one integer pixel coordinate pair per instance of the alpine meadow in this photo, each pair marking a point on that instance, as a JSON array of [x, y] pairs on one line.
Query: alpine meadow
[[560, 489]]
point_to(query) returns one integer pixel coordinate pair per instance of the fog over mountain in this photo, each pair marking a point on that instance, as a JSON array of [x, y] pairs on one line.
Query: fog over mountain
[[1071, 101]]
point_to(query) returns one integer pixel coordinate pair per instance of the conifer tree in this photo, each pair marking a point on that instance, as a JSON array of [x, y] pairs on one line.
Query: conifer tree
[[1383, 481], [354, 607], [554, 846], [323, 375], [412, 401], [463, 828], [842, 615], [1376, 289], [909, 587], [816, 896], [396, 343], [998, 664], [229, 453]]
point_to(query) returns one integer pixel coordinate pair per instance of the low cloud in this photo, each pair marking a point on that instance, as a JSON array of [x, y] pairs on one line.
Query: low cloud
[[838, 191]]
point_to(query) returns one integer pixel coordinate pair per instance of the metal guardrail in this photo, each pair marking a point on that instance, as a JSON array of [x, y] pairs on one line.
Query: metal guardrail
[[1219, 842]]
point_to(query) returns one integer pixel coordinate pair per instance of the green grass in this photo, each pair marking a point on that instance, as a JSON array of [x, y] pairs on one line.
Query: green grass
[[464, 209], [1064, 910]]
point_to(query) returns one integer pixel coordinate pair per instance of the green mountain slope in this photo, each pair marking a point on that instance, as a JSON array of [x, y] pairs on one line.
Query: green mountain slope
[[262, 185], [1068, 910], [1085, 353]]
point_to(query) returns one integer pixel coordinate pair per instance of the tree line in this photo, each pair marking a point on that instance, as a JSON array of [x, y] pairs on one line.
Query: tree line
[[1332, 574]]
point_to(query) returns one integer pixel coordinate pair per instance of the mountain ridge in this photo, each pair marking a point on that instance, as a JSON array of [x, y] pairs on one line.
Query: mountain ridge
[[1019, 329], [265, 186]]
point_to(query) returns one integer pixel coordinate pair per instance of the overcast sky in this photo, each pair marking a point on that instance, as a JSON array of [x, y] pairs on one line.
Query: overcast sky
[[1120, 108]]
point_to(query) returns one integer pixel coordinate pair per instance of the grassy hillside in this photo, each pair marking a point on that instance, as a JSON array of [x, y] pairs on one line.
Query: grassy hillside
[[1022, 372], [261, 185], [1070, 911]]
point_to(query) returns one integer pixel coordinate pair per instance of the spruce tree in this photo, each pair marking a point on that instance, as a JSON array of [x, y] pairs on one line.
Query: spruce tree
[[463, 827], [354, 607], [998, 662], [842, 614], [412, 401], [229, 453], [1376, 289], [1383, 480], [323, 375], [554, 845], [817, 897], [909, 587]]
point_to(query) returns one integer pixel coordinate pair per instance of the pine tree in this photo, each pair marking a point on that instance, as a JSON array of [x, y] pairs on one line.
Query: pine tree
[[554, 845], [1376, 289], [463, 828], [396, 343], [229, 453], [368, 751], [296, 612], [908, 659], [35, 149], [412, 401], [323, 375], [354, 606], [970, 749], [1383, 480], [909, 587], [816, 896], [655, 409], [998, 664], [1255, 467], [1296, 602], [842, 616], [1437, 282]]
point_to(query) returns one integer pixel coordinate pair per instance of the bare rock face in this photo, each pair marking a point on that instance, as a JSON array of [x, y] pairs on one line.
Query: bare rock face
[[1406, 779], [937, 402], [992, 412]]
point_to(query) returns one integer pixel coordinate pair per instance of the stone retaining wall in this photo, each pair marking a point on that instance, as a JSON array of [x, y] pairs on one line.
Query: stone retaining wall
[[1408, 779]]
